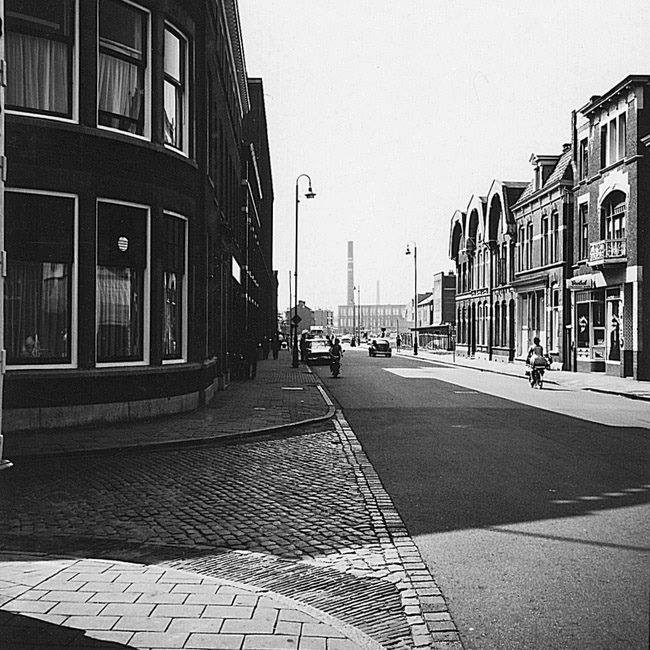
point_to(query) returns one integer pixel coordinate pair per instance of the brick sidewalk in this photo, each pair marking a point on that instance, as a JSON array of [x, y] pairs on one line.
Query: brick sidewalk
[[279, 396]]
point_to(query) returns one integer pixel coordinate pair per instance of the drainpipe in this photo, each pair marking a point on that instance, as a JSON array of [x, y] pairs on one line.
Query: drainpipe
[[4, 463]]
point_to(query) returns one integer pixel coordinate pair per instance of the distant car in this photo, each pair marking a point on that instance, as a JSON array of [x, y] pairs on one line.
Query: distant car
[[345, 341], [379, 347], [318, 351]]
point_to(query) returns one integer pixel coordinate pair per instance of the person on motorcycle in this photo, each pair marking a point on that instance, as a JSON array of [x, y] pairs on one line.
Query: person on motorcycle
[[537, 362], [336, 352]]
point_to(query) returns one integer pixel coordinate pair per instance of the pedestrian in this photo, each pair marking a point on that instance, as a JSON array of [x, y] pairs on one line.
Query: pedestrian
[[398, 342], [265, 347], [250, 353], [275, 346], [303, 346]]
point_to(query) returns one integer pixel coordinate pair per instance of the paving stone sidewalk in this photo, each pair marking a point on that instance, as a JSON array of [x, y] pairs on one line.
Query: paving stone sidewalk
[[279, 396], [49, 602], [596, 382]]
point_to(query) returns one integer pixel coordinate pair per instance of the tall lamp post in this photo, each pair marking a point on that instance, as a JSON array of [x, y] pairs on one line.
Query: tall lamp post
[[415, 294], [310, 195], [359, 304]]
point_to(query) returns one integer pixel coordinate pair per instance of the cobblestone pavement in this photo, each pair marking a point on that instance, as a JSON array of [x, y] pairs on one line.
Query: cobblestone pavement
[[302, 516]]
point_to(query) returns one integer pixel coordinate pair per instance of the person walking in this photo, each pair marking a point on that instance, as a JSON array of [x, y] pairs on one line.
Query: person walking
[[250, 355], [398, 342], [275, 346]]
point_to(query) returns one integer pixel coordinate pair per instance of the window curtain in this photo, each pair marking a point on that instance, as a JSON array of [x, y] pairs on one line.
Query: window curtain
[[119, 92], [172, 324], [120, 327], [38, 71], [37, 315]]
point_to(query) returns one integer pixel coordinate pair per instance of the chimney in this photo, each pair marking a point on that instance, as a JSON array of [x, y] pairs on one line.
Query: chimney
[[377, 293], [350, 273]]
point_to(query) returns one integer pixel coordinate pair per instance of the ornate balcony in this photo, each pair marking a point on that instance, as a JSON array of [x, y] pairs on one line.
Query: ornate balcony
[[608, 251]]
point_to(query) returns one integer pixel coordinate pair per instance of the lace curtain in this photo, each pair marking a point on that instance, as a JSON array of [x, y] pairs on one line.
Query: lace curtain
[[38, 71], [120, 93], [119, 334], [37, 316]]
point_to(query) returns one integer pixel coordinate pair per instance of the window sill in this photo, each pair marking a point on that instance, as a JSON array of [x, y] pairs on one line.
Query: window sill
[[614, 165]]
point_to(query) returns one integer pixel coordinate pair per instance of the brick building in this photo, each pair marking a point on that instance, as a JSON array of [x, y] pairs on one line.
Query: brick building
[[610, 298], [138, 207], [543, 217]]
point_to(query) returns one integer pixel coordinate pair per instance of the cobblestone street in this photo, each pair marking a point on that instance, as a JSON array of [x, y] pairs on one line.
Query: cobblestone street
[[303, 516]]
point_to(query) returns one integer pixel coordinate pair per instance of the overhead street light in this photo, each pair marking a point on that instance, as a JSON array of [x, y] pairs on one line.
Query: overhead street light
[[415, 294], [295, 320]]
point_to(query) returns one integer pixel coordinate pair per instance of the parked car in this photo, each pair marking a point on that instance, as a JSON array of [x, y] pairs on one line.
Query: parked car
[[380, 346], [346, 341], [318, 351]]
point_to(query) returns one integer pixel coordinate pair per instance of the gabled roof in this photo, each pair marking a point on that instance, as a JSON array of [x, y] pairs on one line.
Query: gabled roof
[[556, 176]]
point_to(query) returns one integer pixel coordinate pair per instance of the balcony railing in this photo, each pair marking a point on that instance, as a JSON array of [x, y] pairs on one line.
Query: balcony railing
[[607, 251]]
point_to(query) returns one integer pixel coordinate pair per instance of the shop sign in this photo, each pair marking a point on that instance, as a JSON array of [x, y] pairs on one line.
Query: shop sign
[[581, 282]]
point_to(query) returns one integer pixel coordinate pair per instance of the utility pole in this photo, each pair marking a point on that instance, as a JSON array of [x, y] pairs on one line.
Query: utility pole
[[4, 464]]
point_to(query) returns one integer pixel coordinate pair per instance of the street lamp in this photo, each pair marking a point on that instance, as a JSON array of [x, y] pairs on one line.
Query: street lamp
[[310, 195], [358, 288], [415, 295]]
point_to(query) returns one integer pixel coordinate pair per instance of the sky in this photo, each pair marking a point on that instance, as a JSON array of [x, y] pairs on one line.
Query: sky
[[400, 111]]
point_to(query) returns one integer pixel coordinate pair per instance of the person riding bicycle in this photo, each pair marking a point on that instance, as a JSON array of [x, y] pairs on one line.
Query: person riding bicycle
[[537, 361]]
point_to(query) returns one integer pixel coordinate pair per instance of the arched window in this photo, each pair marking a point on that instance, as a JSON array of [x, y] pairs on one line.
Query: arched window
[[612, 224], [497, 323], [504, 324], [480, 324]]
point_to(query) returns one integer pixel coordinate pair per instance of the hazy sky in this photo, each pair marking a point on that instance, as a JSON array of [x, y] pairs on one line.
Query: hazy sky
[[400, 111]]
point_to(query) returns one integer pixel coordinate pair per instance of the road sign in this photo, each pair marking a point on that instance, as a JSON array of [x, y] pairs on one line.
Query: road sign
[[296, 319]]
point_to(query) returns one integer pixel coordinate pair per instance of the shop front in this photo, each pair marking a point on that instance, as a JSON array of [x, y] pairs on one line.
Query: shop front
[[598, 325]]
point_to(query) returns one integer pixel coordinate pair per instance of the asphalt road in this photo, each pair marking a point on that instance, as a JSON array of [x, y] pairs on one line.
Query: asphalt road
[[529, 507]]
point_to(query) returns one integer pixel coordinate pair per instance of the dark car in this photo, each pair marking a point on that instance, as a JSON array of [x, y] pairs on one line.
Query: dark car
[[380, 347], [318, 351]]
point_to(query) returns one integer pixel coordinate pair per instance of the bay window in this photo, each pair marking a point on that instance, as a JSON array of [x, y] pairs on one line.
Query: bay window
[[40, 47], [175, 89], [122, 66], [39, 233], [174, 286], [121, 273]]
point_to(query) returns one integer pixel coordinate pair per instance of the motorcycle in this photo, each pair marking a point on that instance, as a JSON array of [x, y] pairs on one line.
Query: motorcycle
[[335, 365]]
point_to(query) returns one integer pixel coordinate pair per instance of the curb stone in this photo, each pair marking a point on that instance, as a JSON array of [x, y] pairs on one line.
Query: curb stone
[[419, 593]]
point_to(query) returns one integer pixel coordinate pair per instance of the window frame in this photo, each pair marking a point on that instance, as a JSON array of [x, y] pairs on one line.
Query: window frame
[[147, 62], [73, 92], [583, 231], [146, 288], [184, 85], [74, 289], [184, 286]]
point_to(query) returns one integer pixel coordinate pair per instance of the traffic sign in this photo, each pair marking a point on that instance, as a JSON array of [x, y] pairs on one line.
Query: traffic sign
[[296, 319]]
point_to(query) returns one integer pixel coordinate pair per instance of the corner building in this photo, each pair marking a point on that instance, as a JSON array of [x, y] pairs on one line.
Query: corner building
[[131, 258], [610, 297]]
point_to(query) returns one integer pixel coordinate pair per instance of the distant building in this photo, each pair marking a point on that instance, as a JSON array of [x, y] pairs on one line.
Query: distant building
[[371, 318], [324, 318], [305, 314], [436, 312]]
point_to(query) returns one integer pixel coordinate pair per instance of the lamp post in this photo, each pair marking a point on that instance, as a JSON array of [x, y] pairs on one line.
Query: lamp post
[[359, 322], [415, 294], [310, 195]]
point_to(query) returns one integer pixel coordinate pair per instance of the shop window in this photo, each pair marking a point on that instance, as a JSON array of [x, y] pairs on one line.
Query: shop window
[[122, 66], [39, 232], [174, 287], [40, 56], [175, 90], [583, 338], [121, 270], [555, 334], [614, 324]]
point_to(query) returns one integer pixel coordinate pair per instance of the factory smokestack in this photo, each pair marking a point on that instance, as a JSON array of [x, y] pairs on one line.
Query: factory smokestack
[[378, 302], [350, 273]]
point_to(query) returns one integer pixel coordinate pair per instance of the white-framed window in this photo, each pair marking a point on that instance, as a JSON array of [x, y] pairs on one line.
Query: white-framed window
[[555, 335], [583, 159], [174, 266], [40, 302], [583, 231], [613, 140], [545, 240], [41, 52], [613, 216], [123, 69], [122, 282], [555, 236], [176, 91]]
